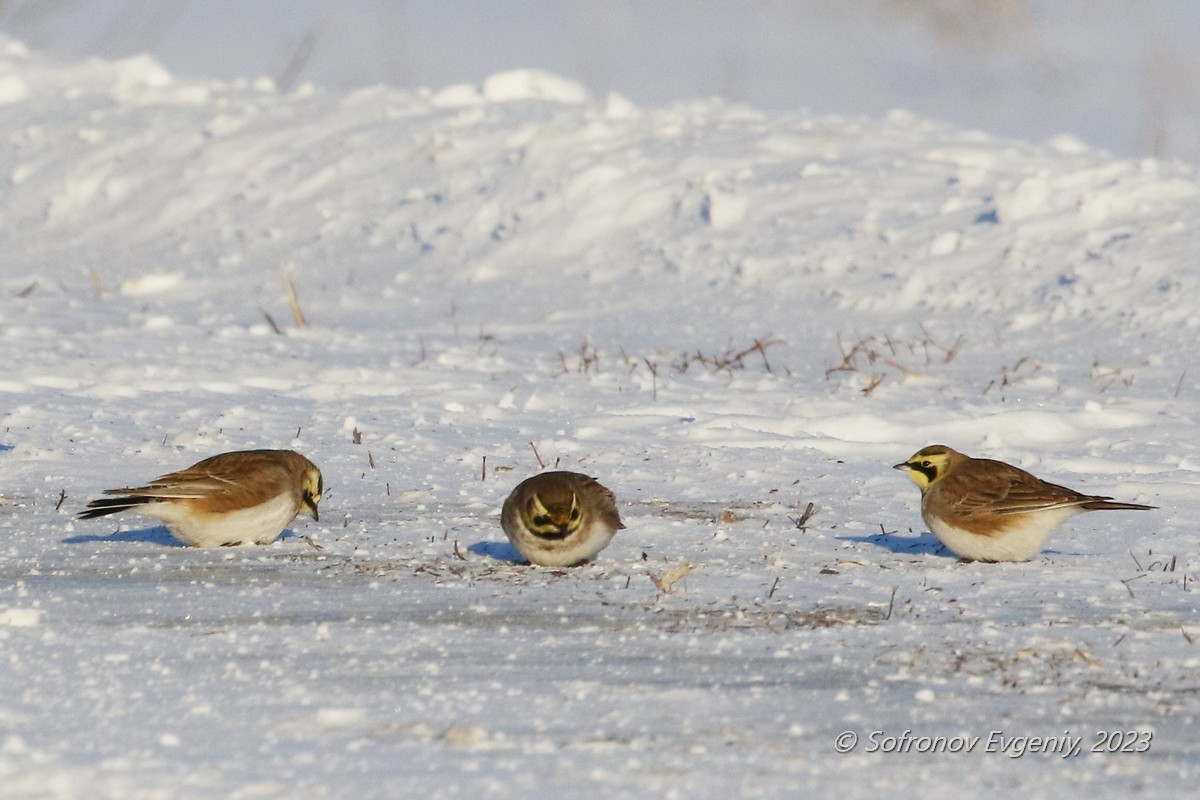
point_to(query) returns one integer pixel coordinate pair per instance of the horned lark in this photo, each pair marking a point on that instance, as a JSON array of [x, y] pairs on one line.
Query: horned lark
[[232, 498], [987, 510], [559, 519]]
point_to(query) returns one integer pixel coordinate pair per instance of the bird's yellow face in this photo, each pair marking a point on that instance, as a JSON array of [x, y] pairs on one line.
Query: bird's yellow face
[[926, 467], [311, 489], [554, 517]]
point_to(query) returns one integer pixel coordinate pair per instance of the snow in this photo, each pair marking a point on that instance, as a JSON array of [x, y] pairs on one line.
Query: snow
[[1121, 76], [723, 313]]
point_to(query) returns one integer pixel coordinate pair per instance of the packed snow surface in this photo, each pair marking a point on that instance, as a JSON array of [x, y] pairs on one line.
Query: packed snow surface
[[723, 314]]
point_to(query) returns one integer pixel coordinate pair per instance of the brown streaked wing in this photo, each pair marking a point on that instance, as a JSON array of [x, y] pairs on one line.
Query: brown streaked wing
[[228, 480], [987, 486], [609, 509]]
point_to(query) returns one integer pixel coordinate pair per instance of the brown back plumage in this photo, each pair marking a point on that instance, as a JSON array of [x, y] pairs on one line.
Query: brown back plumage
[[557, 489], [237, 479], [983, 485]]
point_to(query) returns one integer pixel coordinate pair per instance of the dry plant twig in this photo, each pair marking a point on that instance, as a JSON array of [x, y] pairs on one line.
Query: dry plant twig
[[801, 522], [297, 312], [541, 464], [97, 284], [665, 583]]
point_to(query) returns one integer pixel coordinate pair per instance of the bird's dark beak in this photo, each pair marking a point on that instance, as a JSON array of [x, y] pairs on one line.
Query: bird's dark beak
[[902, 465], [312, 507]]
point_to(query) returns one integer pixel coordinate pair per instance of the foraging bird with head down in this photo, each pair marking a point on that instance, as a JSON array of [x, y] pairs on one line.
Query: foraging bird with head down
[[987, 510], [560, 519], [241, 497]]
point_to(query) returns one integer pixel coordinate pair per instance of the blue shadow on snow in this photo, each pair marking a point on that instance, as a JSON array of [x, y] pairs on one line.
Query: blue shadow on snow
[[500, 551], [924, 544], [156, 535]]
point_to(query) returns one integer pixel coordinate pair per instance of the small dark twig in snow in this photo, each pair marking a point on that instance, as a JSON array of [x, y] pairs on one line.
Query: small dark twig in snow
[[1128, 581], [271, 321], [801, 522], [650, 365]]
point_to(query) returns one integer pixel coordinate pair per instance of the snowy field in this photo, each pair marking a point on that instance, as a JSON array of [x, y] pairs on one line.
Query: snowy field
[[723, 313]]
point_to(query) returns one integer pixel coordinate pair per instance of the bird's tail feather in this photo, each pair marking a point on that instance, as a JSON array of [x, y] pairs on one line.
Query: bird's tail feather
[[111, 505], [1103, 503]]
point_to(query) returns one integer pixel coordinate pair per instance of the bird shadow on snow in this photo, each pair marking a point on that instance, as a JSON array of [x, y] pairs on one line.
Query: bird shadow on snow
[[920, 545], [156, 535], [926, 544], [500, 551]]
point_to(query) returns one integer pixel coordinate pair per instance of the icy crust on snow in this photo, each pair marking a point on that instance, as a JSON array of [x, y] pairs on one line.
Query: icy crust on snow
[[723, 314]]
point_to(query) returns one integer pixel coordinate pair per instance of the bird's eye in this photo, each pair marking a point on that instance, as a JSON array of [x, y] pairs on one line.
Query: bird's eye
[[926, 463]]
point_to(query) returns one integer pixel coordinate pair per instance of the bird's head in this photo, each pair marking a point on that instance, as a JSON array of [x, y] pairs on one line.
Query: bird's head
[[311, 488], [553, 512], [927, 466]]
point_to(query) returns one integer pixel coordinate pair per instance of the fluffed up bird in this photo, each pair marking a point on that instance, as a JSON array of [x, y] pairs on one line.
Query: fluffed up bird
[[242, 497], [560, 519], [987, 510]]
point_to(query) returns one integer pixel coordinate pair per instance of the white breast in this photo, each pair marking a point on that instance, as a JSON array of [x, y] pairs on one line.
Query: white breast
[[586, 542], [1023, 539], [259, 524]]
